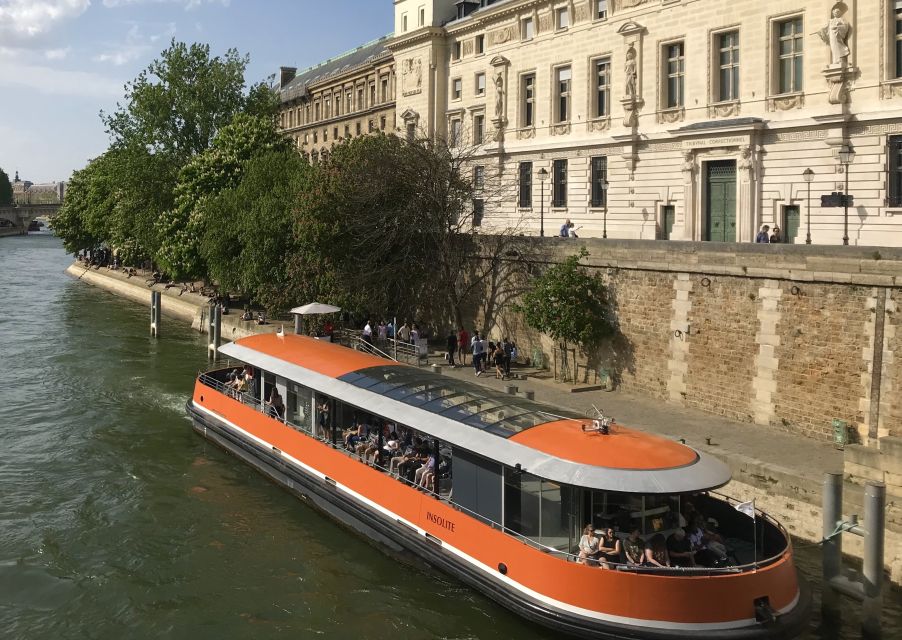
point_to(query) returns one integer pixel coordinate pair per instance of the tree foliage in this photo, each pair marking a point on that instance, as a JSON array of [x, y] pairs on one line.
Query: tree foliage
[[569, 304], [204, 177], [6, 189]]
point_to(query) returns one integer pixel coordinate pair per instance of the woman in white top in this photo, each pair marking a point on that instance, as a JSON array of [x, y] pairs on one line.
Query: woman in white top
[[588, 546]]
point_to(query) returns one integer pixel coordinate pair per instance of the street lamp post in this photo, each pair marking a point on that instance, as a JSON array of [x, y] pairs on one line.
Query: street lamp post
[[604, 190], [846, 156], [808, 175], [543, 173]]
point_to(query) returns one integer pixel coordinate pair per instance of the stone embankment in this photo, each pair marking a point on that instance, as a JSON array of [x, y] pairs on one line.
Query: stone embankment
[[782, 470]]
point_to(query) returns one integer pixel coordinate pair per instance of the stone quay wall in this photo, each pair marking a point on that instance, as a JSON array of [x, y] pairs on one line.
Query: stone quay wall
[[787, 336]]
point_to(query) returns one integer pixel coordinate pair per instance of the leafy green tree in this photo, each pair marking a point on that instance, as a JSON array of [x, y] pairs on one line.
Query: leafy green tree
[[570, 304], [206, 175], [6, 189], [248, 242], [179, 103], [83, 220]]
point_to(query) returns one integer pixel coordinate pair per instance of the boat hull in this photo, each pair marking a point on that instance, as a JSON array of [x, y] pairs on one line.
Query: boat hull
[[325, 495]]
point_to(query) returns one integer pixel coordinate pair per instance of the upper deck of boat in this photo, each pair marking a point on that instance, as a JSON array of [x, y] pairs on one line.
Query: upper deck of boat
[[486, 421]]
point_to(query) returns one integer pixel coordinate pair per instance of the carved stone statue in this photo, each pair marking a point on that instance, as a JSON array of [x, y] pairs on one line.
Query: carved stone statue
[[688, 161], [835, 34], [499, 96], [629, 73], [745, 158]]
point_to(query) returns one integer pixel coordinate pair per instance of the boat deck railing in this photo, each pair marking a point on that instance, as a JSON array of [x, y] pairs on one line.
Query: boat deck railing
[[447, 498]]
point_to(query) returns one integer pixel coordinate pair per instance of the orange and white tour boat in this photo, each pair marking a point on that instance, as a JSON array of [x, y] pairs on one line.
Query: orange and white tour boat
[[498, 491]]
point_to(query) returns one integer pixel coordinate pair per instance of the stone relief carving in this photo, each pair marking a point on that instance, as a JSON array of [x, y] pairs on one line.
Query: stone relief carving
[[725, 109], [599, 125], [411, 76], [500, 36], [468, 47], [545, 22], [835, 34], [785, 103], [581, 13], [745, 159], [560, 129], [526, 134], [837, 82], [688, 162], [671, 116], [629, 4], [888, 91]]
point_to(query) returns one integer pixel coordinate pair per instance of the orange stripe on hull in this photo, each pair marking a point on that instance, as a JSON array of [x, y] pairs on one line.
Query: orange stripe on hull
[[673, 599]]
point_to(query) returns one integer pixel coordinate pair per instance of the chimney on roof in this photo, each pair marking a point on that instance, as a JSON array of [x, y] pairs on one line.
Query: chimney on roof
[[286, 75]]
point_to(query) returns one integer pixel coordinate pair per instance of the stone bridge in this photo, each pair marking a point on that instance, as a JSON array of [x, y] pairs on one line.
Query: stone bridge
[[15, 220]]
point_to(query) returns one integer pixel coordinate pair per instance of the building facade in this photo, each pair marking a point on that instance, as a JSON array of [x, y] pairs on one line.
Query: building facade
[[26, 192], [667, 119], [347, 96]]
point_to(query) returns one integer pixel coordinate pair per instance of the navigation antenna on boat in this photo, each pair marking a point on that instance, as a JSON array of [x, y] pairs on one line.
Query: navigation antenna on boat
[[600, 422]]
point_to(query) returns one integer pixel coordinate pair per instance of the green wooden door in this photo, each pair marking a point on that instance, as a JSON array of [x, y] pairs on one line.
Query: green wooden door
[[792, 220], [668, 216], [720, 216]]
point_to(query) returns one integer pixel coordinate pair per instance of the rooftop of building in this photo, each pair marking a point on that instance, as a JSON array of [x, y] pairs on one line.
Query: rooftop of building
[[362, 55]]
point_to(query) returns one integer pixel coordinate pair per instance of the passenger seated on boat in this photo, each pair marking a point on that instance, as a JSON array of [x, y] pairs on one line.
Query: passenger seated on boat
[[390, 452], [426, 471], [710, 551], [398, 458], [608, 548], [372, 451], [656, 552], [407, 469], [588, 546], [633, 548], [354, 434], [680, 549], [276, 406]]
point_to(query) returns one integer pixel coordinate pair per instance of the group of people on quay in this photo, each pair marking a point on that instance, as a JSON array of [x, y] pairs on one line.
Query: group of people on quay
[[768, 236], [486, 354], [694, 543], [385, 331]]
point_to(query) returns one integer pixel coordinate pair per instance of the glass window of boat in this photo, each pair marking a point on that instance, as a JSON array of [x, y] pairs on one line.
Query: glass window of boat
[[299, 405], [543, 511], [625, 511]]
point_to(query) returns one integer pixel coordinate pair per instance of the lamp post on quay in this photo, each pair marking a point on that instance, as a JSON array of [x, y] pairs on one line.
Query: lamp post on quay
[[543, 173], [808, 175], [604, 191], [846, 156]]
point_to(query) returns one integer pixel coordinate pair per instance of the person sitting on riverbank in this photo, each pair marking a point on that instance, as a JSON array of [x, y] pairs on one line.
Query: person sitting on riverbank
[[247, 316]]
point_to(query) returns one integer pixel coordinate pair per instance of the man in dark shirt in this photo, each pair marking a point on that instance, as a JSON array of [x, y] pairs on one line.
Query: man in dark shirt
[[680, 549]]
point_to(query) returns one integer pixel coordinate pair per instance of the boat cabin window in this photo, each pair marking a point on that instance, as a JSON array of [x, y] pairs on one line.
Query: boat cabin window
[[299, 407], [477, 485], [541, 510]]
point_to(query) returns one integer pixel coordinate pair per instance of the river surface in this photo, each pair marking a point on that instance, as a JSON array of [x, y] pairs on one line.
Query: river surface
[[117, 521]]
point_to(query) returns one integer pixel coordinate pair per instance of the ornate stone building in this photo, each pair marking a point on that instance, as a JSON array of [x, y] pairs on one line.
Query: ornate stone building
[[668, 119], [344, 97], [26, 192]]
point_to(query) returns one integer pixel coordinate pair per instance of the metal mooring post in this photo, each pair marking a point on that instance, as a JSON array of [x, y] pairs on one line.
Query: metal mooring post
[[875, 529], [214, 334], [832, 553], [868, 589], [156, 303]]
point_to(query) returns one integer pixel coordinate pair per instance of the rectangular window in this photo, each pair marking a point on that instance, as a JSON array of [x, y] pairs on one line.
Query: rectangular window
[[525, 199], [478, 177], [384, 89], [358, 128], [559, 184], [601, 9], [455, 51], [372, 93], [457, 87], [335, 133], [480, 84], [897, 19], [316, 112], [347, 131], [529, 100], [360, 105], [455, 132], [668, 217], [480, 45], [422, 16], [790, 47], [563, 18], [325, 135], [562, 99], [478, 128], [404, 22], [315, 137], [382, 123], [529, 29], [675, 75], [602, 88], [894, 186], [728, 80], [411, 132], [478, 211], [599, 181], [349, 102]]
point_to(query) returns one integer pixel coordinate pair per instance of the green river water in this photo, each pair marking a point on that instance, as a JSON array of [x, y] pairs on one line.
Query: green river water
[[117, 521]]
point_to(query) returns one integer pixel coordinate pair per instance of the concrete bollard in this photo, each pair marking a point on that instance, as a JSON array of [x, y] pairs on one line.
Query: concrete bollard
[[529, 395], [436, 368], [156, 305], [214, 332], [511, 389]]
